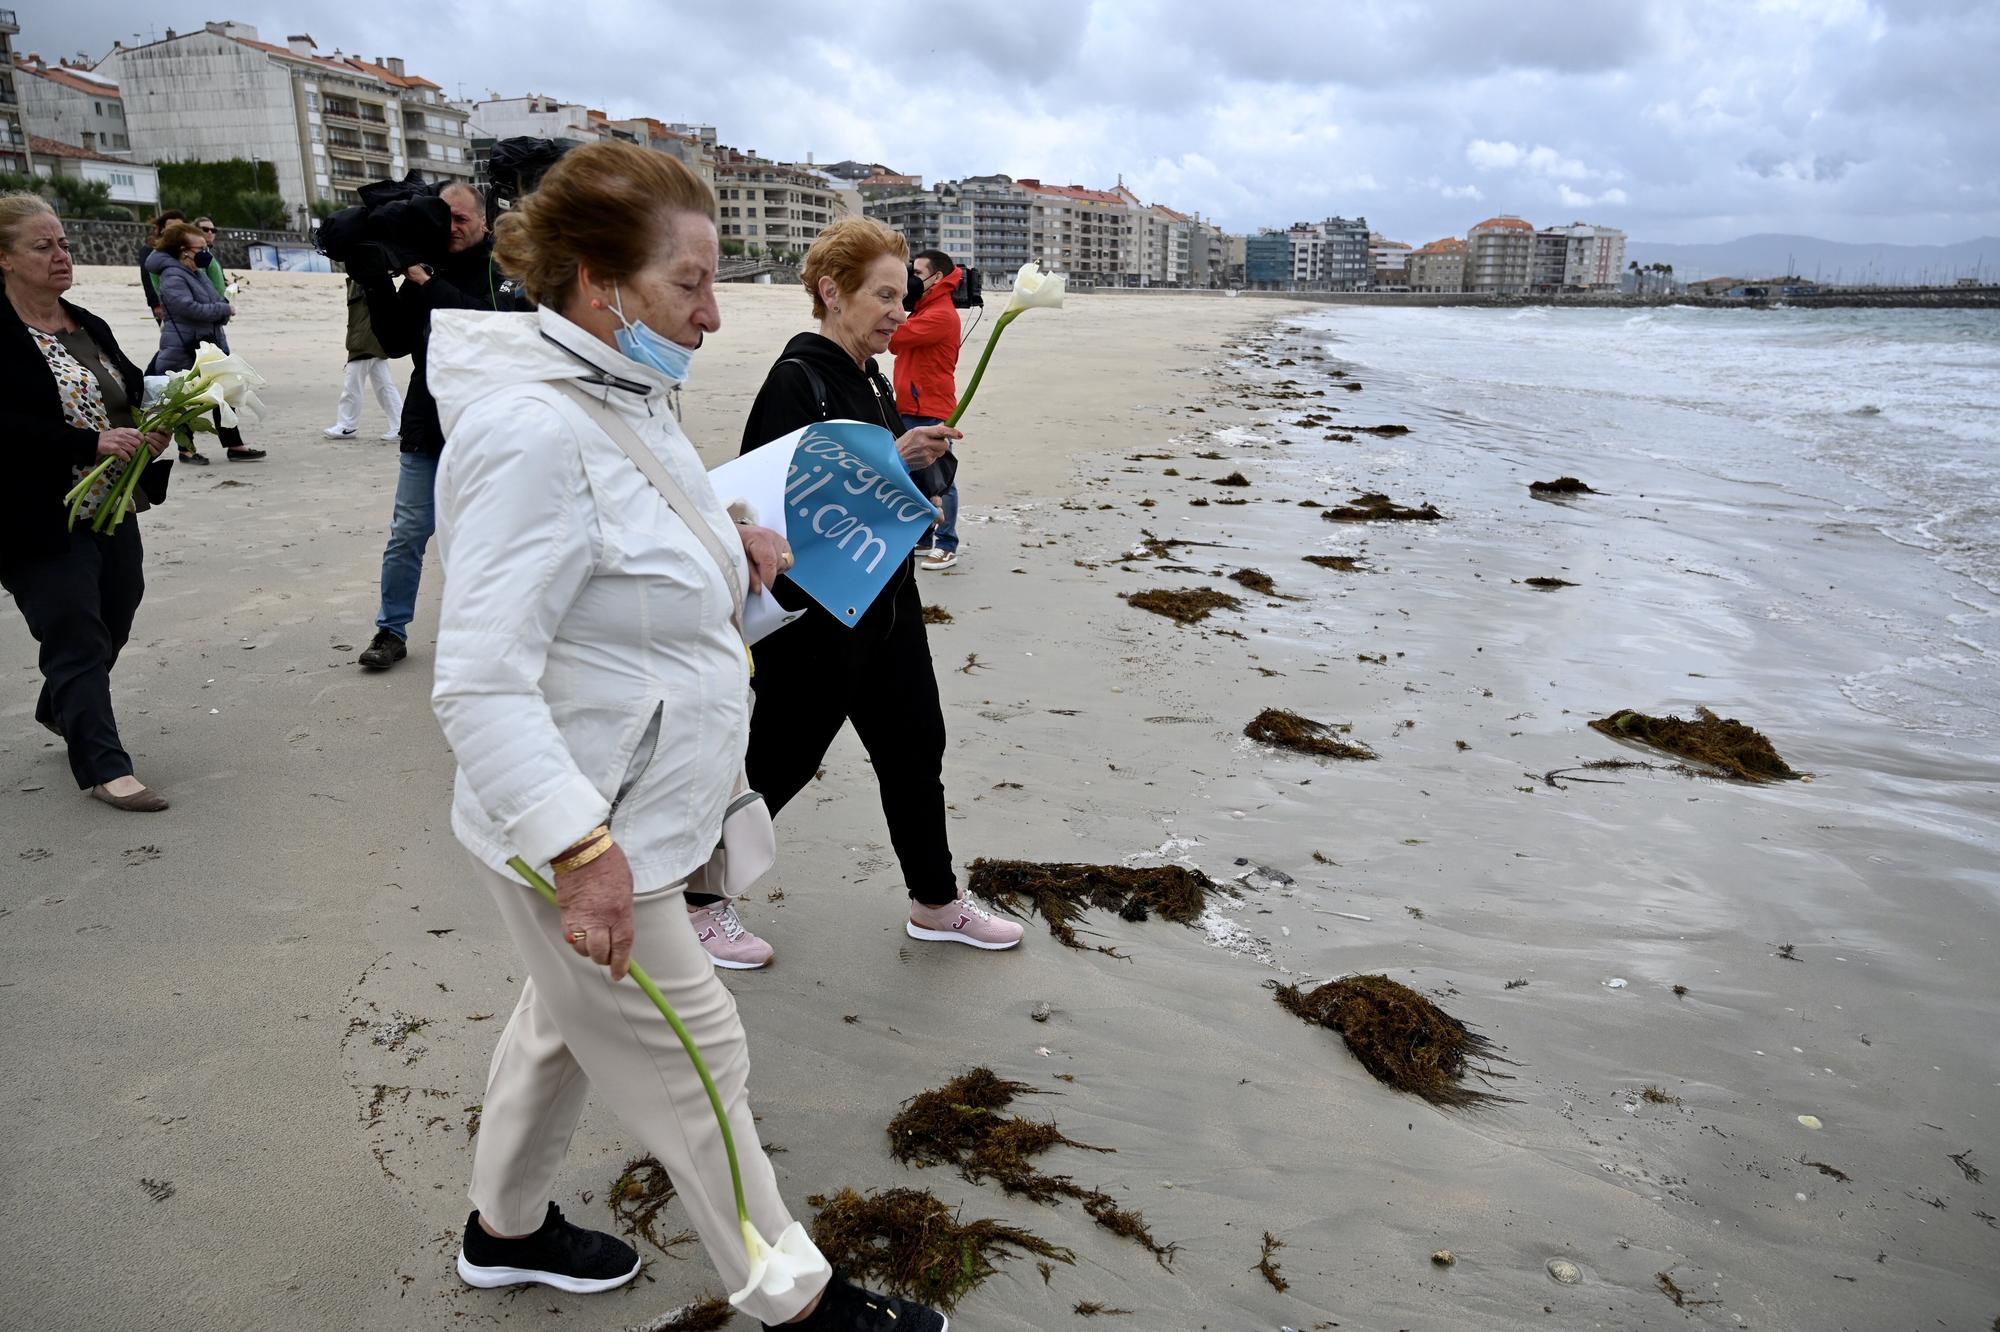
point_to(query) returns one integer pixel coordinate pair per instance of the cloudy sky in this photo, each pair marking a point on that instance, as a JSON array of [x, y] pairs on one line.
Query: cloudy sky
[[1678, 120]]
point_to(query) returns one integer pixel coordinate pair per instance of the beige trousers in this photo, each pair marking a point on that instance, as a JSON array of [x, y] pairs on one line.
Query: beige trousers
[[574, 1028]]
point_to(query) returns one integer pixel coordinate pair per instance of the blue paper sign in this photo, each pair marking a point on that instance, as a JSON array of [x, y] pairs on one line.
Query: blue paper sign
[[852, 514]]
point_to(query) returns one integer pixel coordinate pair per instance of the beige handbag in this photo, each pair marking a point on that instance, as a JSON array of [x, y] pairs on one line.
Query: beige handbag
[[749, 845]]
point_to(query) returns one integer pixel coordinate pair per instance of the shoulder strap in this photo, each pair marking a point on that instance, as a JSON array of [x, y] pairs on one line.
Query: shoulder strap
[[647, 462], [813, 380]]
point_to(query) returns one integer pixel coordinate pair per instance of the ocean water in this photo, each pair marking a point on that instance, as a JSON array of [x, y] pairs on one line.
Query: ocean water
[[1882, 422]]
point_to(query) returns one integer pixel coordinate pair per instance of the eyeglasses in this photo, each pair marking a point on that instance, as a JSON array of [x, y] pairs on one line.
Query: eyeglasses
[[209, 230]]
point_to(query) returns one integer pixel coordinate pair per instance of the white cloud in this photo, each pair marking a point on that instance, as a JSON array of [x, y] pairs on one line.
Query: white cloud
[[1859, 120]]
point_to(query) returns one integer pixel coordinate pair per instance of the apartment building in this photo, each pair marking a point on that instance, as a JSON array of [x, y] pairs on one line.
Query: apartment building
[[1438, 266], [1267, 260], [1085, 233], [771, 208], [1389, 262], [1579, 257], [1500, 255], [1002, 230], [327, 124], [72, 104], [935, 219], [13, 127], [1330, 256]]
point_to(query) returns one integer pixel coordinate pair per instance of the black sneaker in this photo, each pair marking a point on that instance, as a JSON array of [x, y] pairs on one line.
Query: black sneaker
[[193, 459], [582, 1262], [848, 1308], [383, 652]]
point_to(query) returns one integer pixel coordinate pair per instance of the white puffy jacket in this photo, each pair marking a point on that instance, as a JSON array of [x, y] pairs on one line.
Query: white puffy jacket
[[587, 666]]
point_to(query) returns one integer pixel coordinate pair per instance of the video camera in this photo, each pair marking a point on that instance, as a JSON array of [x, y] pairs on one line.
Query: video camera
[[514, 168], [397, 225]]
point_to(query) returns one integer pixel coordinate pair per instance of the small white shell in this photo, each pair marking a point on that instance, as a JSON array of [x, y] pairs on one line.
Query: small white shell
[[1565, 1271]]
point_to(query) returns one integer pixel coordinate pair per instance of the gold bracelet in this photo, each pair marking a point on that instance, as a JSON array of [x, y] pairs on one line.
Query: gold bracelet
[[582, 844], [583, 857]]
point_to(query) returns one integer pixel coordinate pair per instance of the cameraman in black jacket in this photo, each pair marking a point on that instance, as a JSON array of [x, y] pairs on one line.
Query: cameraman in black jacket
[[463, 279]]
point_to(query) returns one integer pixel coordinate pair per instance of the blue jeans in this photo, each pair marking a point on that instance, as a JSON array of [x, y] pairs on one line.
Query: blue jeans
[[410, 529], [944, 533]]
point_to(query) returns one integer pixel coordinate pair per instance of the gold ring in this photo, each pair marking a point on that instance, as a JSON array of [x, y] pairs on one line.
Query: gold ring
[[784, 559], [577, 936]]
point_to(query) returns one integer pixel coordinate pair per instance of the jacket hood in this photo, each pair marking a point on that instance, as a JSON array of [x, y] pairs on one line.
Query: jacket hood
[[159, 260], [477, 354]]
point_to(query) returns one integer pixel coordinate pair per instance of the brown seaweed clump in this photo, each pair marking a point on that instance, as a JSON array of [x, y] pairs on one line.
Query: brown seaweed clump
[[1401, 1037], [1337, 563], [1233, 479], [1723, 743], [1562, 485], [907, 1242], [1547, 584], [960, 1124], [1185, 605], [1288, 730], [936, 615], [1371, 507], [638, 1196], [1060, 893], [1256, 580]]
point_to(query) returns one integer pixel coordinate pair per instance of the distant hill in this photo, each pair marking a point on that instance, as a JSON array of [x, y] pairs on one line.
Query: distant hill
[[1772, 255]]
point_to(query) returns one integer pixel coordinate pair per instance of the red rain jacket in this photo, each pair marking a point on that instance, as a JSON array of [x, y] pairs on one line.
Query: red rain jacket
[[926, 352]]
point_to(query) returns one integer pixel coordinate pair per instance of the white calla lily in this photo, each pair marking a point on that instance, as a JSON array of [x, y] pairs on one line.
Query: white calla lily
[[1034, 289], [776, 1268], [1037, 290]]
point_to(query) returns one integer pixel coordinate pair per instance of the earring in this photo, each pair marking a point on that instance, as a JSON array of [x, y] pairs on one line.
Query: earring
[[597, 305]]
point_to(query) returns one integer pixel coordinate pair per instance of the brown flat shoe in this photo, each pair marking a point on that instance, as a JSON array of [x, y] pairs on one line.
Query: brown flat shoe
[[145, 800]]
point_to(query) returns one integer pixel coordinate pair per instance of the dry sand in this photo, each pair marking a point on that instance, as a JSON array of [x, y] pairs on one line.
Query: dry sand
[[225, 1000]]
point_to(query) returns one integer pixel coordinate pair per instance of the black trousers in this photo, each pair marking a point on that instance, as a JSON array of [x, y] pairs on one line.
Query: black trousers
[[815, 674], [79, 606]]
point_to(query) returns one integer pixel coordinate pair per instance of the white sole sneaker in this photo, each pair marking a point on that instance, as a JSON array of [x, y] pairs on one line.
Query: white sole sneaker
[[738, 966], [492, 1278], [916, 931]]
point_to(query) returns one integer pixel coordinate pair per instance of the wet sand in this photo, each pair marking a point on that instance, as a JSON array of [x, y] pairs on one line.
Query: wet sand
[[279, 998]]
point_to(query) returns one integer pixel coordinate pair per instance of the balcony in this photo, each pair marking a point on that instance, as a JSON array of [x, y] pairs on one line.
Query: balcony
[[9, 22]]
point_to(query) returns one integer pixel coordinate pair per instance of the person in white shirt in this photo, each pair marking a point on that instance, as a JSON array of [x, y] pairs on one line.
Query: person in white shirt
[[595, 689]]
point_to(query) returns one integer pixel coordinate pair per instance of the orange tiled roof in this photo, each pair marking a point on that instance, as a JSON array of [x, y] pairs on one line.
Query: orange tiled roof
[[1070, 191], [1448, 245], [390, 76], [1504, 224], [106, 88], [57, 148]]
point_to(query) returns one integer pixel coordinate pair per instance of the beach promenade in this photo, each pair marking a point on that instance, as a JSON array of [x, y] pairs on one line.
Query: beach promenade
[[246, 1039]]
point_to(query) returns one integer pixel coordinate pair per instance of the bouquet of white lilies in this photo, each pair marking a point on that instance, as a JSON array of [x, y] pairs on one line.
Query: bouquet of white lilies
[[217, 384]]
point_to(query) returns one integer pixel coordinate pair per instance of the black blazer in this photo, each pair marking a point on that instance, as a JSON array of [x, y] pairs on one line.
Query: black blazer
[[42, 446]]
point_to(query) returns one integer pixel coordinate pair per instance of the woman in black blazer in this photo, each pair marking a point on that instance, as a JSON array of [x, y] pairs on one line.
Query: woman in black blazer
[[66, 400]]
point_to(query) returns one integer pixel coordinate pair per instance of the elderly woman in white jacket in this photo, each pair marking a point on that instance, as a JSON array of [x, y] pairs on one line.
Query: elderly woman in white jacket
[[595, 691]]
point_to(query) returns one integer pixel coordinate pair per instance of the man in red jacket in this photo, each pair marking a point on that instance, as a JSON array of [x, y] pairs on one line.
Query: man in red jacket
[[926, 352]]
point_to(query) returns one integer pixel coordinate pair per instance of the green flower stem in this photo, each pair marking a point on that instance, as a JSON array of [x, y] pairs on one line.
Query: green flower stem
[[980, 369], [542, 886]]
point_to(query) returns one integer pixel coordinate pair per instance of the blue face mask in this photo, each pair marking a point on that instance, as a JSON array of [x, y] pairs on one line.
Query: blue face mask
[[648, 348]]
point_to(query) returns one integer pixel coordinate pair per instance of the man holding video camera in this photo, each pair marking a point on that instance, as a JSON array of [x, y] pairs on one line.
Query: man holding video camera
[[458, 276], [926, 352]]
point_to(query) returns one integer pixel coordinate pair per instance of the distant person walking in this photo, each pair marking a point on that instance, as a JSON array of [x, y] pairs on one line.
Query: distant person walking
[[146, 284], [194, 311], [926, 373], [367, 368], [464, 280]]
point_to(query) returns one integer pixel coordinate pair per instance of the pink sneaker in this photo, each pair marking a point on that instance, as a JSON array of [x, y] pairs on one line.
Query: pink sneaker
[[729, 945], [962, 921]]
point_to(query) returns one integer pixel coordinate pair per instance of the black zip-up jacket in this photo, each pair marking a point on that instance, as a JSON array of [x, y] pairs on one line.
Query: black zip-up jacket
[[786, 402], [42, 446], [401, 319]]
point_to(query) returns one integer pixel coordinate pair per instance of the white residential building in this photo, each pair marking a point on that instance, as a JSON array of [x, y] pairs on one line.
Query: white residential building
[[72, 105], [326, 124], [134, 185]]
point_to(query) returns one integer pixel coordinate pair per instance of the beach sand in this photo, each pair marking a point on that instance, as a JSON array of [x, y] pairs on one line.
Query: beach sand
[[247, 1039]]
